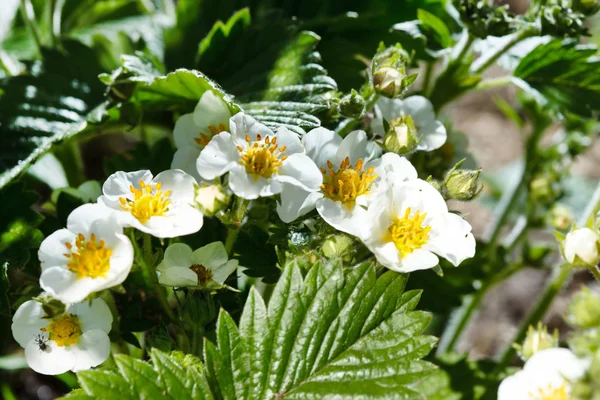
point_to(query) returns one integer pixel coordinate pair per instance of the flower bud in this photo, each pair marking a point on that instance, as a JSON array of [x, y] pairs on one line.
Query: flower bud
[[338, 246], [560, 20], [389, 71], [543, 188], [560, 217], [537, 339], [483, 20], [581, 248], [401, 137], [158, 337], [352, 105], [211, 199], [463, 184], [584, 310], [587, 7]]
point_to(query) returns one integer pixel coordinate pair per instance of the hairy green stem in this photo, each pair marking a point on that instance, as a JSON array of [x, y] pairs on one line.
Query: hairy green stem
[[466, 47], [494, 82], [427, 78], [484, 62], [237, 215]]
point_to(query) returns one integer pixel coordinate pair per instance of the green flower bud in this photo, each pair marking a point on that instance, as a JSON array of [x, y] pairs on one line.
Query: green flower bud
[[543, 189], [198, 311], [389, 71], [352, 105], [587, 7], [537, 339], [584, 310], [558, 19], [158, 337], [401, 137], [463, 184], [560, 217], [211, 199], [483, 20], [338, 246]]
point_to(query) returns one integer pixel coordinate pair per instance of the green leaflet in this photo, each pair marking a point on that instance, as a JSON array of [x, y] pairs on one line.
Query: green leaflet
[[326, 333], [565, 73], [168, 376], [46, 107]]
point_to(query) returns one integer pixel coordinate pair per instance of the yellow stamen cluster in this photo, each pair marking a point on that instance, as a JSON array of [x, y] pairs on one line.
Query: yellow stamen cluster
[[204, 274], [147, 202], [64, 330], [408, 232], [262, 158], [348, 182], [551, 392], [213, 130], [88, 258]]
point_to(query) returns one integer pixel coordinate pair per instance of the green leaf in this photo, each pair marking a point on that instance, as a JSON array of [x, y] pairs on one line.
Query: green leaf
[[436, 26], [214, 46], [567, 74], [328, 334], [256, 255], [171, 376], [47, 106]]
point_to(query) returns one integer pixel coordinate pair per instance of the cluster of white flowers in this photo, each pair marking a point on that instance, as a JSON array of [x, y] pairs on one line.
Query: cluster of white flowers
[[403, 220], [547, 375]]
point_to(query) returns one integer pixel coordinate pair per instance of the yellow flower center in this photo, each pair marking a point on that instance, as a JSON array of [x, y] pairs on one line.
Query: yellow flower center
[[551, 392], [88, 258], [348, 182], [204, 274], [213, 130], [408, 233], [147, 202], [64, 330], [262, 158]]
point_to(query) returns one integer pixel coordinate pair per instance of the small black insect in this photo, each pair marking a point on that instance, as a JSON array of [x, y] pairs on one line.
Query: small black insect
[[41, 341]]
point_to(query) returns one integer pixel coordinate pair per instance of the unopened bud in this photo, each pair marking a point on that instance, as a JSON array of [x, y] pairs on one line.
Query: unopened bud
[[211, 199], [401, 137], [543, 189], [537, 339], [389, 71], [338, 246], [352, 105], [158, 337], [587, 7], [581, 248], [584, 310], [463, 184], [560, 217]]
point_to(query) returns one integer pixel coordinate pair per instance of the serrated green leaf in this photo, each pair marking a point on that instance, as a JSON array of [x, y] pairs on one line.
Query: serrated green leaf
[[328, 334], [566, 73], [169, 376], [46, 106]]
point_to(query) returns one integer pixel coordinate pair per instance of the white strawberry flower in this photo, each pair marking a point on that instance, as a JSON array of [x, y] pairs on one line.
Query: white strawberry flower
[[161, 206], [409, 226], [258, 161], [546, 375], [76, 340], [431, 131], [350, 179], [90, 255], [207, 267], [581, 246], [195, 130]]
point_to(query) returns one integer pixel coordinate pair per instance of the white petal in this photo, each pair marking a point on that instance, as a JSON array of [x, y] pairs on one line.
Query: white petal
[[321, 145], [242, 125], [178, 277], [63, 285], [182, 220], [295, 202], [562, 361], [389, 109], [92, 350], [54, 360], [81, 218], [387, 254], [179, 183], [211, 256], [118, 184], [418, 195], [392, 163], [177, 255], [582, 243], [354, 146], [27, 322], [300, 170], [290, 140], [218, 157], [211, 110], [515, 387], [417, 260], [249, 187], [451, 238], [420, 109], [349, 220], [94, 316], [221, 273], [52, 249], [434, 136], [185, 160], [185, 131]]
